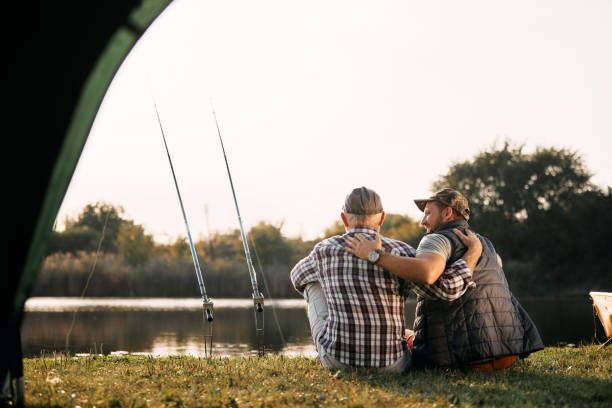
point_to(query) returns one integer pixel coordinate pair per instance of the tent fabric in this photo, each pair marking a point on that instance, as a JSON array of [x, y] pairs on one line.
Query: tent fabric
[[61, 61]]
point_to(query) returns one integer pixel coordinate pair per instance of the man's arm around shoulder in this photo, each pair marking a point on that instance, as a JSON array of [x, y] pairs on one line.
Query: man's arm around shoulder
[[425, 267]]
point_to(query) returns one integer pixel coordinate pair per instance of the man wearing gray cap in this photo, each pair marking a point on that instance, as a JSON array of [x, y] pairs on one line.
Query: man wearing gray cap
[[355, 307], [486, 328]]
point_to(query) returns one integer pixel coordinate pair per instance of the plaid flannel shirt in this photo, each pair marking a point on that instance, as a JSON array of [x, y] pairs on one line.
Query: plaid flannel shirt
[[365, 323]]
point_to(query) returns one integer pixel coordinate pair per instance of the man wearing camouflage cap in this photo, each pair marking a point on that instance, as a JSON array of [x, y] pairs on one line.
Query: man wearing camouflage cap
[[486, 328], [356, 308]]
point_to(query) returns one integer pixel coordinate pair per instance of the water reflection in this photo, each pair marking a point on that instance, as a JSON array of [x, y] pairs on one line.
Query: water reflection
[[66, 304], [163, 332], [174, 326]]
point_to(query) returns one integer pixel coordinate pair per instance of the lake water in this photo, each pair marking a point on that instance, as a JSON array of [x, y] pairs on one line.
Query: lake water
[[174, 326]]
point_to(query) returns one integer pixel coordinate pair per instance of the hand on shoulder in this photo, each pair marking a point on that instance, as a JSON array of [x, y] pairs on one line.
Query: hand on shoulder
[[360, 246]]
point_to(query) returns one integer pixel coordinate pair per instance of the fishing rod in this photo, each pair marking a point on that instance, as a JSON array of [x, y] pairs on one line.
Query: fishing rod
[[265, 282], [91, 272], [207, 304], [258, 299]]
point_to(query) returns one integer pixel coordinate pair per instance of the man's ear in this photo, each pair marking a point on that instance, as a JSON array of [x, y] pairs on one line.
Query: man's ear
[[344, 220], [382, 219], [447, 213]]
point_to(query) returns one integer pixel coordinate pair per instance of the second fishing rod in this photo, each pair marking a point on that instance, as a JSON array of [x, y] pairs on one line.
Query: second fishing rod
[[258, 299]]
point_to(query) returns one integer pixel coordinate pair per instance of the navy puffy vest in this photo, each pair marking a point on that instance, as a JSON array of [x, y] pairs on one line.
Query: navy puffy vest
[[485, 323]]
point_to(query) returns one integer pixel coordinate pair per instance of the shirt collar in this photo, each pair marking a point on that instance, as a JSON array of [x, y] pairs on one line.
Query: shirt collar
[[361, 230]]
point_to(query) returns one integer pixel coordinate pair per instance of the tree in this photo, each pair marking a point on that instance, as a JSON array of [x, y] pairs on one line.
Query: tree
[[337, 228], [223, 246], [269, 245], [402, 228], [507, 187], [85, 232], [180, 249], [73, 240], [94, 217], [542, 213], [134, 245]]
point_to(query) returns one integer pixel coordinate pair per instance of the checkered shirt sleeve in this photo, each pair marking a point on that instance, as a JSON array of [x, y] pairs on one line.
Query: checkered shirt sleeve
[[304, 272], [451, 285]]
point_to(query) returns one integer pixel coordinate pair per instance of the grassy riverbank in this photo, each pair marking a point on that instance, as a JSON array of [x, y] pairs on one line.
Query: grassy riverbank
[[554, 377]]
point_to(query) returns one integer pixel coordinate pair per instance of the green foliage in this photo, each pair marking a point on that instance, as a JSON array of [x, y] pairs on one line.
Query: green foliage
[[94, 216], [73, 240], [84, 232], [269, 244], [553, 377], [514, 185], [301, 248], [65, 274], [336, 228], [140, 267], [180, 249], [540, 210], [403, 228], [396, 226], [134, 244], [507, 188], [223, 246]]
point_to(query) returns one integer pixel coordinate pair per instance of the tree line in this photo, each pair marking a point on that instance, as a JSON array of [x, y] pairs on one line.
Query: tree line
[[541, 210], [130, 263]]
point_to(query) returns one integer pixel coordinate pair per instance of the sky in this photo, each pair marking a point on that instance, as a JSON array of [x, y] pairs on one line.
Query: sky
[[316, 98]]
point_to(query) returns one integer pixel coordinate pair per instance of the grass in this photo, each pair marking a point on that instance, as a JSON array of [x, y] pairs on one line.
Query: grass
[[577, 377]]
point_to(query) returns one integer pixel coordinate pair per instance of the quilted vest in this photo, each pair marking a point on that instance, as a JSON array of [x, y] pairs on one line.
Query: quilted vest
[[485, 323]]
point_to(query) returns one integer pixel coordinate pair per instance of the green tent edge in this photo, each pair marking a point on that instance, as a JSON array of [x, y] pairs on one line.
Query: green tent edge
[[92, 94]]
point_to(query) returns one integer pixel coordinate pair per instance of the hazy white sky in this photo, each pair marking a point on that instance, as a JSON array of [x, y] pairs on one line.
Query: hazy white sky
[[316, 98]]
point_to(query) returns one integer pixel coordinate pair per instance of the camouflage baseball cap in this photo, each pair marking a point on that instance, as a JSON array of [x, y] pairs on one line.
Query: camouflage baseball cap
[[450, 198], [362, 201]]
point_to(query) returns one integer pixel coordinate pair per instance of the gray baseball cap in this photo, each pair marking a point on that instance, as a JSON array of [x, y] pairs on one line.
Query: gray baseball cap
[[362, 201]]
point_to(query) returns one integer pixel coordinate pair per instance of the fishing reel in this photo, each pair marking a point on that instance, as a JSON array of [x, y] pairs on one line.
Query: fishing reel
[[258, 303], [208, 317], [208, 311]]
